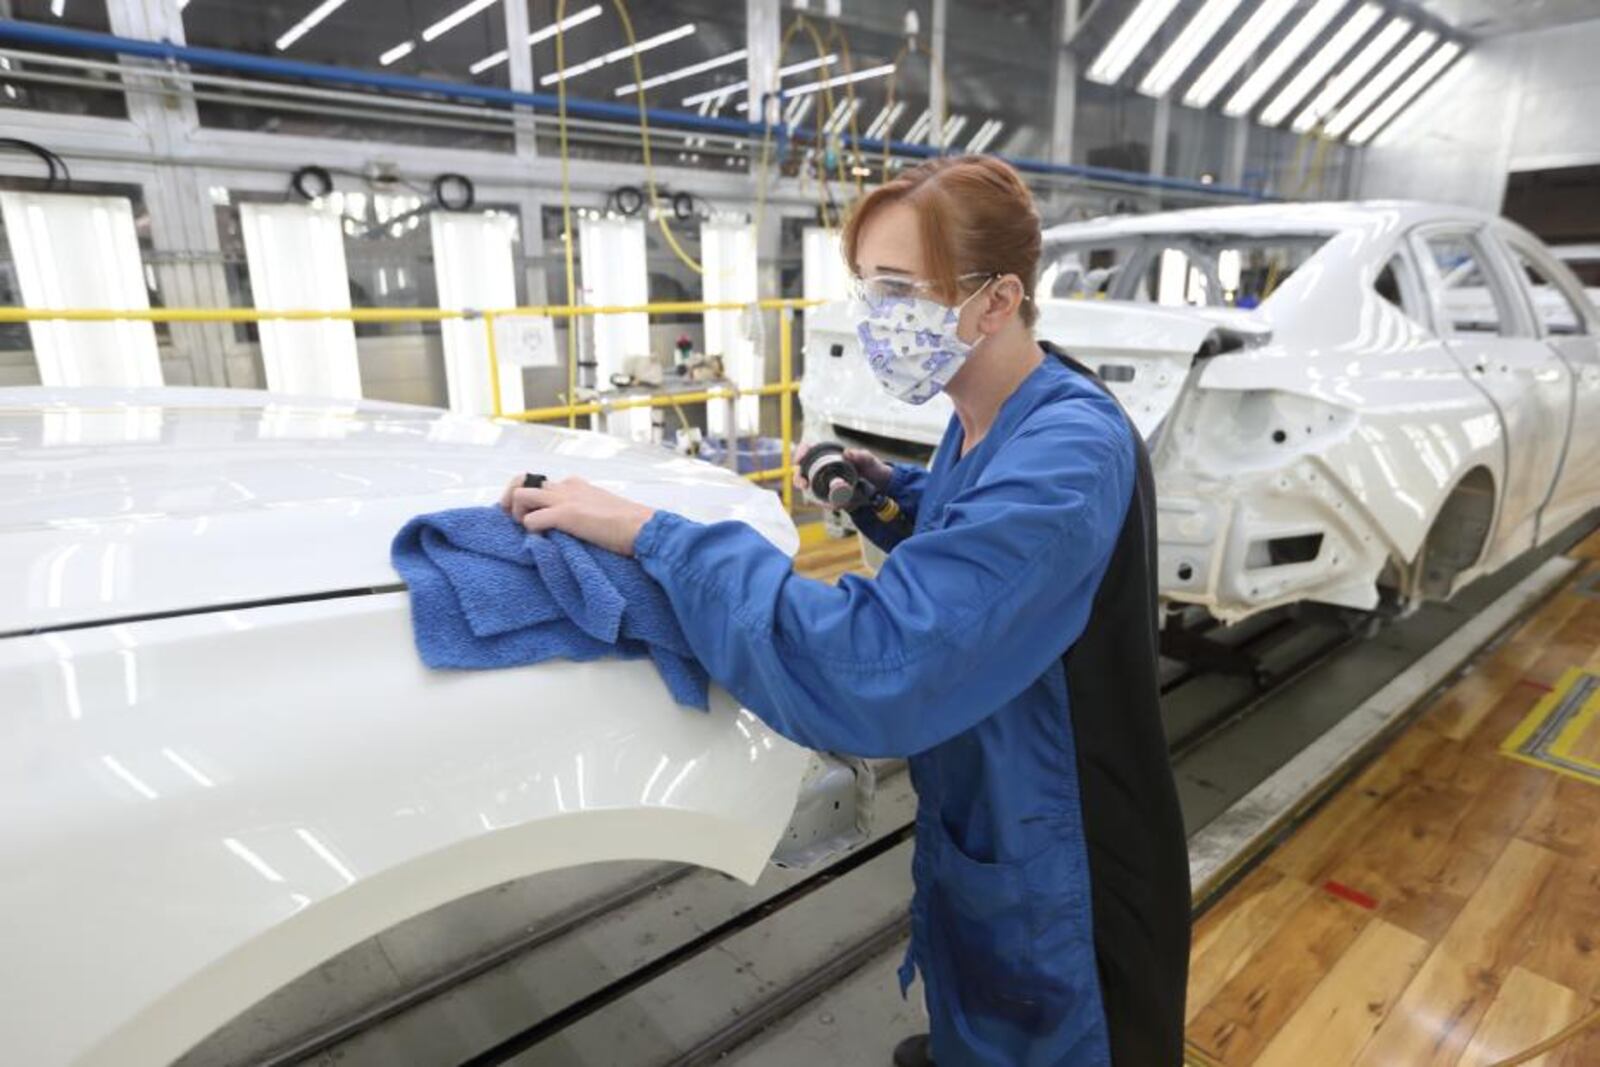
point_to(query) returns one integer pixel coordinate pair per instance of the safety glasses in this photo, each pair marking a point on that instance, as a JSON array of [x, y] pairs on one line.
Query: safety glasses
[[882, 289]]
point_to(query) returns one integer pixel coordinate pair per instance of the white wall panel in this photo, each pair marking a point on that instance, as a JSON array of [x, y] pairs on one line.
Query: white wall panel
[[76, 251], [296, 259], [473, 268]]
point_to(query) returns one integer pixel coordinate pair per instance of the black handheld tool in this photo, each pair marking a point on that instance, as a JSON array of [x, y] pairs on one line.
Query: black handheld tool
[[834, 481]]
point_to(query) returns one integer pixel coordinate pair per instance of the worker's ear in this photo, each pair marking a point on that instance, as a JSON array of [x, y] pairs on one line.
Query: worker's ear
[[1001, 301]]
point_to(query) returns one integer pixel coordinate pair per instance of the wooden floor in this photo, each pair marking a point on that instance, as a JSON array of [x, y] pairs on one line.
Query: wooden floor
[[1442, 908], [828, 558]]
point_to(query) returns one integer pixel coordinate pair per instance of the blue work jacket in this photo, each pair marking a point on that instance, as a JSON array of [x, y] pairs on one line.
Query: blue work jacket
[[952, 656]]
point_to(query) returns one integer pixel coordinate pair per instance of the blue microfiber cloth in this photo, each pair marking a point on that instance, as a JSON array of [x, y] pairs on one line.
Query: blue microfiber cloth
[[486, 593]]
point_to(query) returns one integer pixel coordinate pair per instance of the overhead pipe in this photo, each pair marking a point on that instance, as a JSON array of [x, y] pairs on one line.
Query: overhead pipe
[[41, 34]]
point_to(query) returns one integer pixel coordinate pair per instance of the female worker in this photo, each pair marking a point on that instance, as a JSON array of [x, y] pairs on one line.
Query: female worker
[[1007, 647]]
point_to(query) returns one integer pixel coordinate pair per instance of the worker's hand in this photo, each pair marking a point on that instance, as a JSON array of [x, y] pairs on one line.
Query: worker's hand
[[866, 464], [573, 506]]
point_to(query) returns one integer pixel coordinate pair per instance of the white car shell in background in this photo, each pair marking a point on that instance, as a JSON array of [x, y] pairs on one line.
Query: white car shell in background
[[221, 761], [1345, 403]]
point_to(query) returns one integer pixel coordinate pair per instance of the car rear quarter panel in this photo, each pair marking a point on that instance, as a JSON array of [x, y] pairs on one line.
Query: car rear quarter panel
[[1362, 425]]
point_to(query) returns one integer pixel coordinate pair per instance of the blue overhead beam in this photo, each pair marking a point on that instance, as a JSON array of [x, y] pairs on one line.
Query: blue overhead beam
[[38, 34]]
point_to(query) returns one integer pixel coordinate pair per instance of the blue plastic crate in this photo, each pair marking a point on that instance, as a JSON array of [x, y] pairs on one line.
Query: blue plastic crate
[[754, 453]]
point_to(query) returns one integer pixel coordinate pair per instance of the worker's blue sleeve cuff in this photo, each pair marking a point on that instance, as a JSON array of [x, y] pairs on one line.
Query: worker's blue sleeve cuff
[[900, 480], [656, 536], [905, 487]]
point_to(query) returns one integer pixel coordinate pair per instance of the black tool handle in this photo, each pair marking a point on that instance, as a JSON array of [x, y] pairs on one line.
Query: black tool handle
[[533, 481]]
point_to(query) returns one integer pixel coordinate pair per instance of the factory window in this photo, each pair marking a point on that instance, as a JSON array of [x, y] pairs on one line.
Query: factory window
[[1197, 144], [63, 82], [1553, 307], [363, 35], [999, 81], [1468, 297], [1112, 127]]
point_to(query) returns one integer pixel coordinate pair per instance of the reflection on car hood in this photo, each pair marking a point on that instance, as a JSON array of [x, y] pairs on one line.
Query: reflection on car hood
[[125, 503]]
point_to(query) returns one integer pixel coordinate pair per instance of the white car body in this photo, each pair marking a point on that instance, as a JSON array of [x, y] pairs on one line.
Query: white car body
[[1583, 261], [221, 760], [1328, 444]]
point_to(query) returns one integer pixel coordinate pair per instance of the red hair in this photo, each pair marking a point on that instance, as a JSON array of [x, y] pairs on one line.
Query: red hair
[[976, 217]]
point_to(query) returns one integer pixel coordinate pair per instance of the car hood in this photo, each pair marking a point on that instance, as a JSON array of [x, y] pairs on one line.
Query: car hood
[[128, 503]]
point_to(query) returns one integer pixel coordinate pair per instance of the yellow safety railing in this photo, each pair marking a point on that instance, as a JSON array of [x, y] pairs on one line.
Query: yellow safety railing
[[785, 387]]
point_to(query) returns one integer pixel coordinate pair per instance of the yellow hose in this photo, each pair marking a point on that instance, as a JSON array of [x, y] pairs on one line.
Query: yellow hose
[[621, 8]]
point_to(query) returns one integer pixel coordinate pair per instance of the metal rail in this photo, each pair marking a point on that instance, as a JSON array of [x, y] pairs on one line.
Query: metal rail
[[573, 1013], [785, 1000], [51, 36]]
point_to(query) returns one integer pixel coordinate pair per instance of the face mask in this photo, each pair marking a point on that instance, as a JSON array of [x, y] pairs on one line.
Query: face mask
[[910, 342]]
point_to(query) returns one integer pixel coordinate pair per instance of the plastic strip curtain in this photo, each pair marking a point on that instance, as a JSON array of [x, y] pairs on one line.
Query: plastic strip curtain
[[296, 258], [473, 268], [75, 251], [728, 256]]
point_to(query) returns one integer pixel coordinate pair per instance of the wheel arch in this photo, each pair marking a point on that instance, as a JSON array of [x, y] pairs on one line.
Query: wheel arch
[[195, 1008], [1459, 535]]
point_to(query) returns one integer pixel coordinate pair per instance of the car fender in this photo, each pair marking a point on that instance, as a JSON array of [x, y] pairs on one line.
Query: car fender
[[200, 808]]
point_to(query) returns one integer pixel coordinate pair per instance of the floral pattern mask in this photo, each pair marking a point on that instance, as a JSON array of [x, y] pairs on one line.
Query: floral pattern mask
[[911, 344]]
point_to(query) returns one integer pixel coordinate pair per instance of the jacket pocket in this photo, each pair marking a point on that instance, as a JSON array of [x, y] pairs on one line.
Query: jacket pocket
[[1011, 938]]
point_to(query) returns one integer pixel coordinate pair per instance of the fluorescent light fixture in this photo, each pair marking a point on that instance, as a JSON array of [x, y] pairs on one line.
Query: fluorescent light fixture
[[456, 18], [307, 24], [736, 56], [494, 59], [798, 109], [1129, 40], [1343, 83], [877, 121], [885, 121], [1240, 47], [841, 114], [983, 128], [58, 8], [578, 19], [952, 129], [1315, 69], [488, 62], [1182, 52], [399, 51], [639, 48], [984, 135], [921, 126], [1370, 93], [1431, 68], [842, 79], [808, 64], [1271, 69], [739, 87]]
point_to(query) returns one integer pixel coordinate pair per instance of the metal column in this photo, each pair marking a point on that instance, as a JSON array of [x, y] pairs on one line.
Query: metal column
[[1064, 110], [1160, 134], [1238, 149], [937, 104], [519, 67], [762, 38]]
